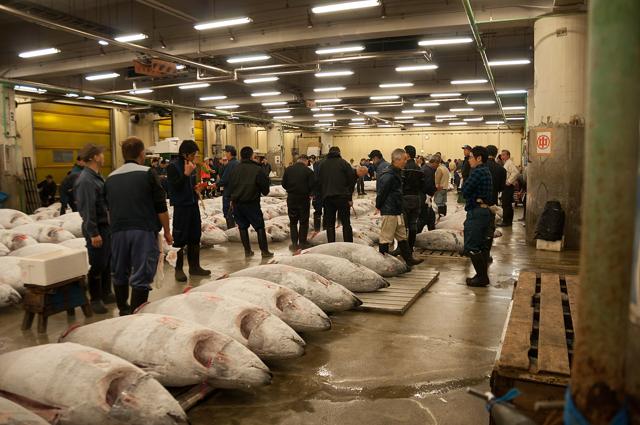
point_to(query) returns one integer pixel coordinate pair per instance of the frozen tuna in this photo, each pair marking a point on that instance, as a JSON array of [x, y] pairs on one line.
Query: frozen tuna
[[11, 273], [74, 384], [45, 233], [327, 295], [441, 240], [14, 414], [264, 334], [4, 251], [384, 264], [352, 276], [12, 218], [321, 238], [76, 243], [174, 351], [15, 240], [212, 235], [8, 296], [294, 309]]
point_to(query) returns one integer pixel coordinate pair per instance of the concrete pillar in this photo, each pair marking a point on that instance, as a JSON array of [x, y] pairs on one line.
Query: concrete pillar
[[183, 125], [11, 172], [275, 148], [558, 117], [326, 141]]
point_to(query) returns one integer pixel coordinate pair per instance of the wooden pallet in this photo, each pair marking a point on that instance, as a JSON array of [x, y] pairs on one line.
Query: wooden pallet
[[537, 342], [432, 253], [403, 292]]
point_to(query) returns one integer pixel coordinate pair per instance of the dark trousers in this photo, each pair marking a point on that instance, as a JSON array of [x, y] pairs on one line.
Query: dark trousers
[[248, 214], [490, 231], [187, 225], [411, 211], [337, 205], [360, 186], [134, 258], [507, 204], [226, 211], [477, 229], [298, 208], [317, 214], [99, 276]]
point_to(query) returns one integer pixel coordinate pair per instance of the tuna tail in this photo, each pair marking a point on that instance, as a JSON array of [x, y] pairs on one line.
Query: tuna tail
[[357, 302], [386, 283]]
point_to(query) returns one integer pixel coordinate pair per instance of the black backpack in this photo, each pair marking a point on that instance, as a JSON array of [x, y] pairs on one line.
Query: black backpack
[[550, 225]]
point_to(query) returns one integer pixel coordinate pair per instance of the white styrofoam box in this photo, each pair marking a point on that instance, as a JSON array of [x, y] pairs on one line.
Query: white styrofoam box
[[53, 267], [169, 145]]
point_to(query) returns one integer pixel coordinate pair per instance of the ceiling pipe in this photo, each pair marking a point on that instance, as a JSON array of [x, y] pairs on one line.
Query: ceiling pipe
[[154, 4], [219, 79], [483, 54], [129, 46]]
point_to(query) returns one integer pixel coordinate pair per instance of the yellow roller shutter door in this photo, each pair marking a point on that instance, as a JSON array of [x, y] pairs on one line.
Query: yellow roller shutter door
[[165, 130]]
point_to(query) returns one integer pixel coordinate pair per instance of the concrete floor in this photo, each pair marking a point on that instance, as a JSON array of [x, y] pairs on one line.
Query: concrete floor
[[370, 368]]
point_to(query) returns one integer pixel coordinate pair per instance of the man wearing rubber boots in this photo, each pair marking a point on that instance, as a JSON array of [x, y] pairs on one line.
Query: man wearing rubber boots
[[413, 189], [478, 192], [299, 182], [187, 224], [230, 155]]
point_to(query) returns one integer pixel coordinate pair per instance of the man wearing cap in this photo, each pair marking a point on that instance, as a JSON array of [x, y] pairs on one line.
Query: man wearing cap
[[66, 186], [92, 206], [230, 154], [378, 162], [299, 182]]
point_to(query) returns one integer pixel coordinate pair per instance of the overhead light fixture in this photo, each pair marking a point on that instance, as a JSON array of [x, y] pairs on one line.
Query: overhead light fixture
[[409, 68], [218, 97], [458, 123], [513, 108], [442, 117], [322, 115], [515, 118], [140, 91], [249, 58], [29, 89], [389, 97], [265, 93], [385, 126], [103, 43], [356, 123], [371, 113], [223, 107], [328, 100], [410, 117], [341, 7], [274, 103], [445, 41], [260, 80], [131, 37], [105, 76], [517, 91], [221, 23], [40, 52], [358, 119], [193, 86], [71, 95], [445, 94], [323, 89], [180, 67], [474, 119], [342, 49], [87, 98], [328, 120], [327, 108], [277, 111], [461, 110], [322, 125], [208, 114], [426, 104], [477, 81], [393, 85], [117, 102], [341, 73], [282, 117], [413, 111], [494, 122], [422, 124], [509, 62], [480, 102]]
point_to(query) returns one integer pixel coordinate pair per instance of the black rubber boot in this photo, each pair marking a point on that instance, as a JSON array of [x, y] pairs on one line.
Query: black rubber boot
[[347, 233], [331, 234], [412, 239], [193, 255], [122, 298], [488, 257], [246, 242], [293, 230], [407, 255], [230, 222], [180, 276], [317, 221], [302, 237], [105, 285], [263, 244], [95, 292], [383, 248], [139, 296], [479, 262]]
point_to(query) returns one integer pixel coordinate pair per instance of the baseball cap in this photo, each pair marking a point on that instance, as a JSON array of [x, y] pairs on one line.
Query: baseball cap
[[467, 147], [89, 151], [375, 153], [231, 149]]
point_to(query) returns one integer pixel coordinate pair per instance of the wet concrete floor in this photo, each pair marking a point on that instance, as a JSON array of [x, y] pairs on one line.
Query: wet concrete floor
[[370, 368]]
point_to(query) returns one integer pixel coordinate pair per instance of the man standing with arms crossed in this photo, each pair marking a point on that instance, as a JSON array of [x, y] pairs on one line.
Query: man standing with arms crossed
[[507, 192]]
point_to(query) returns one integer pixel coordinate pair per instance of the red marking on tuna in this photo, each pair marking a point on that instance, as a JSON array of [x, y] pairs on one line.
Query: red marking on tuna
[[69, 330]]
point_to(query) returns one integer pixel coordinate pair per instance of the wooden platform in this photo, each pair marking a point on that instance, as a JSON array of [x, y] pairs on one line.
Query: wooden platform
[[432, 253], [403, 292], [537, 342]]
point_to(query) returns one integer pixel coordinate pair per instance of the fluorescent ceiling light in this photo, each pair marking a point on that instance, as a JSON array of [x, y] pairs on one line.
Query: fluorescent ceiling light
[[480, 102], [458, 123], [510, 62], [328, 120], [277, 111], [249, 58], [323, 89], [87, 98], [221, 23], [274, 103], [442, 117], [131, 37], [208, 114], [426, 104], [517, 91], [385, 126], [358, 119], [265, 93], [322, 125], [343, 49], [228, 107], [29, 89], [461, 110], [260, 80], [422, 124], [103, 43], [322, 115], [282, 117], [371, 113], [403, 118], [119, 103], [478, 81], [102, 76], [393, 85], [515, 118], [193, 86], [474, 119], [71, 95], [413, 111], [451, 99], [513, 108], [340, 7], [180, 67], [328, 100], [445, 41], [327, 108], [41, 52], [218, 97], [315, 109], [140, 91], [389, 97], [409, 68], [494, 122], [342, 73], [445, 94]]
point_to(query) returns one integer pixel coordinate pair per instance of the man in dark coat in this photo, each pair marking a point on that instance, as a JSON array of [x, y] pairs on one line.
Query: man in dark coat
[[299, 182], [47, 189], [413, 190], [498, 179], [230, 155]]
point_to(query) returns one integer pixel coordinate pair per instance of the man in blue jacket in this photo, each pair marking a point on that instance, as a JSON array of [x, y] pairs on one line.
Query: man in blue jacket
[[389, 204]]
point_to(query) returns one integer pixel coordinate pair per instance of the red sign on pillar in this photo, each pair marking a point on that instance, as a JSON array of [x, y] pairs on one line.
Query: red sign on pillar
[[543, 143]]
